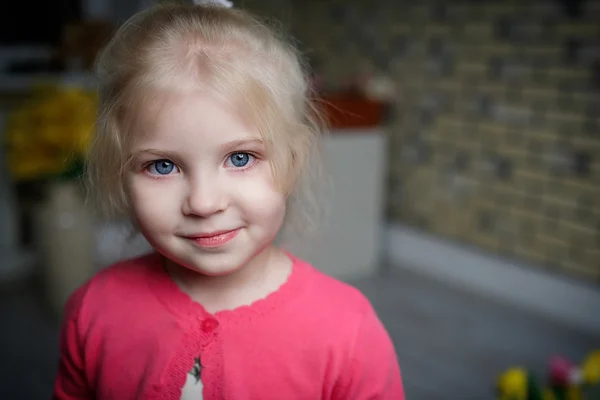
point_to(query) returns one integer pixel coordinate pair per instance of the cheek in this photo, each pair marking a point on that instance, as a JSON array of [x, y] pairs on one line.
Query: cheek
[[262, 200], [150, 207]]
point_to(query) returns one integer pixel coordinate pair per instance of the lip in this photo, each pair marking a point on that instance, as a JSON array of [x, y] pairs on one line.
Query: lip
[[214, 239]]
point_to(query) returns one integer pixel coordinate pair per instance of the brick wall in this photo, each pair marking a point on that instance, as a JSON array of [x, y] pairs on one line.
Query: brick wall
[[495, 138]]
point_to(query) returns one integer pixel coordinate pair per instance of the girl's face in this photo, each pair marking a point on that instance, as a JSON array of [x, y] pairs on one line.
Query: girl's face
[[200, 185]]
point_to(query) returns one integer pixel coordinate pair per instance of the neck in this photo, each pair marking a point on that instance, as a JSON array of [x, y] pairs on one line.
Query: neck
[[261, 276]]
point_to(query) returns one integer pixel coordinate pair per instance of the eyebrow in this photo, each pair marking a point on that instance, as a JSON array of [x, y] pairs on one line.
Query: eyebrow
[[156, 152], [234, 145], [241, 144]]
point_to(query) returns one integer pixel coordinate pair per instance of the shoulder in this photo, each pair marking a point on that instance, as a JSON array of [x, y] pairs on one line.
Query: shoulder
[[109, 284], [334, 293], [341, 305], [360, 352]]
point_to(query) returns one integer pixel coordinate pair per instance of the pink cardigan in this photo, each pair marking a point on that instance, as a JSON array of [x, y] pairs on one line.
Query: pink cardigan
[[130, 333]]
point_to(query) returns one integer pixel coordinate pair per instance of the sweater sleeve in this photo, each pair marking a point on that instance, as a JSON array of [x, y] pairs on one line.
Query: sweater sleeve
[[373, 372], [71, 382]]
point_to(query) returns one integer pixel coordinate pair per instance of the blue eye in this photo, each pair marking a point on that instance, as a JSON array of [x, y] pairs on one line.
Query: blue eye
[[161, 167], [240, 160]]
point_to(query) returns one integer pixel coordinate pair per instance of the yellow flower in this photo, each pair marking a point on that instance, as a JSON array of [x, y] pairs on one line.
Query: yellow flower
[[591, 368], [512, 384], [38, 164], [46, 133]]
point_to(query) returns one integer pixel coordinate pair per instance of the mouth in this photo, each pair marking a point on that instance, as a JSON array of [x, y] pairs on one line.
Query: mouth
[[214, 239]]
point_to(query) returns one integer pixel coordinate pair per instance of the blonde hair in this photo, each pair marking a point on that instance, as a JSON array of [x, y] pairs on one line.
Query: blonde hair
[[229, 52]]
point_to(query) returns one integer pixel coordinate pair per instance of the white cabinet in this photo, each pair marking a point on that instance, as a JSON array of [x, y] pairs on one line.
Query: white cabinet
[[349, 242]]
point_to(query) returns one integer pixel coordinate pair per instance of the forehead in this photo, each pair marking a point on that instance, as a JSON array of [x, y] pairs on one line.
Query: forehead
[[189, 118]]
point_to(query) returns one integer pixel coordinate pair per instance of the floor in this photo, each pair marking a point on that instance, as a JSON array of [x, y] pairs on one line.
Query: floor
[[451, 344]]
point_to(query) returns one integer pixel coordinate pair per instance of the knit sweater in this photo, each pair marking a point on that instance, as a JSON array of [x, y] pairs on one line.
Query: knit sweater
[[131, 333]]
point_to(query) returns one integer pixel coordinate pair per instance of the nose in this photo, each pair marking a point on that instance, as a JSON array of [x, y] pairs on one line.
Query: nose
[[205, 196]]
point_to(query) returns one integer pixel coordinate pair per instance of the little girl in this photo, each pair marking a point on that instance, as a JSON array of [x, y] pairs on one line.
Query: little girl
[[204, 139]]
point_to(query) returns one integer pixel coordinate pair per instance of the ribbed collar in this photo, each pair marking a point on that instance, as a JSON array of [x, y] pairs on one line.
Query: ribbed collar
[[186, 310]]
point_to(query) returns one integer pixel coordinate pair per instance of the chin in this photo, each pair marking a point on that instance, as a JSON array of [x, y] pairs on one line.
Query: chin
[[211, 262], [215, 265]]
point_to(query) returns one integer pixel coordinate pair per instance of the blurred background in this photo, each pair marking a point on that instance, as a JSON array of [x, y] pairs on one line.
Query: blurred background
[[465, 164]]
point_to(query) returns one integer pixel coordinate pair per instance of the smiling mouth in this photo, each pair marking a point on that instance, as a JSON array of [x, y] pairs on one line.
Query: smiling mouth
[[215, 239]]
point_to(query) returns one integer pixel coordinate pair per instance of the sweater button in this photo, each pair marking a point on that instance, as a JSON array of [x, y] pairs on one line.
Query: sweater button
[[209, 325]]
